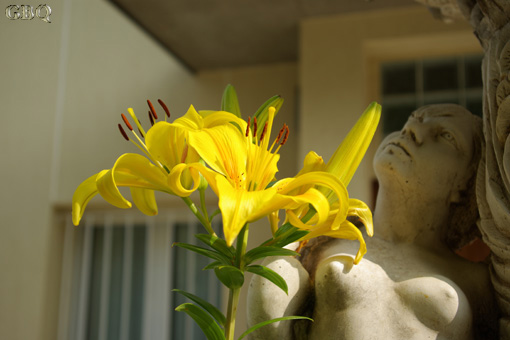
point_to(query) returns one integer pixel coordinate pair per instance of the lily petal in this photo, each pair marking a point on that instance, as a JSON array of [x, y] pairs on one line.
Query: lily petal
[[83, 194], [223, 148], [191, 120], [166, 143], [144, 200], [131, 170], [312, 162], [349, 231], [330, 182], [360, 209], [239, 207], [175, 180]]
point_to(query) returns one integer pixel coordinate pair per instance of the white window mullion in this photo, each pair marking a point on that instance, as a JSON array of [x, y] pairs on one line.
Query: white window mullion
[[127, 266], [64, 314], [84, 283], [105, 278], [148, 304], [161, 284], [170, 225], [190, 266]]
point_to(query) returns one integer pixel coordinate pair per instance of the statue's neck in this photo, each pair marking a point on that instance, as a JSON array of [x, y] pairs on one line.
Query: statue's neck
[[404, 217]]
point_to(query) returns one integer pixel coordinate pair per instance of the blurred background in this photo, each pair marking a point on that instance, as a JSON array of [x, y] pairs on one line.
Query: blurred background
[[64, 84]]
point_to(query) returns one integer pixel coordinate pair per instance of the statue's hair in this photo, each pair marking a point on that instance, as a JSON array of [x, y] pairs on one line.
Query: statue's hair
[[463, 216]]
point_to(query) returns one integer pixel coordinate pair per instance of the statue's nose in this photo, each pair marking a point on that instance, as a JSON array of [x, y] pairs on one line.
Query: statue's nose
[[414, 130]]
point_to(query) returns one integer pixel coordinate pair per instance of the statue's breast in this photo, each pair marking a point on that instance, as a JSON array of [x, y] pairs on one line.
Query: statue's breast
[[437, 302], [414, 308]]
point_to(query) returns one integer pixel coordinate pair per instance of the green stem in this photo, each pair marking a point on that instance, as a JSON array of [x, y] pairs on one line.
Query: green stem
[[202, 203], [233, 298], [205, 222], [233, 301]]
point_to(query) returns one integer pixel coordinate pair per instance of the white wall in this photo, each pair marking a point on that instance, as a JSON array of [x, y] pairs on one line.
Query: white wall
[[29, 58], [63, 88]]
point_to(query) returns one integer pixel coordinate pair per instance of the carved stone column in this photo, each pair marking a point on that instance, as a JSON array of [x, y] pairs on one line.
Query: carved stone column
[[491, 22]]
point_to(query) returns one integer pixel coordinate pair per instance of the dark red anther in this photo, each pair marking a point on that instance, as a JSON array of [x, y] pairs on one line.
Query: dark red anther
[[248, 127], [152, 109], [123, 133], [280, 134], [163, 105], [263, 131], [126, 122], [151, 118], [286, 134], [254, 126]]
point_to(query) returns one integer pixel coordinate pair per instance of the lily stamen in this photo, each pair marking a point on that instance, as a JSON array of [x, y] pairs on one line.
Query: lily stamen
[[248, 127], [140, 145], [163, 105], [151, 118], [277, 139], [137, 122], [263, 132], [151, 107], [128, 124], [121, 129], [286, 135]]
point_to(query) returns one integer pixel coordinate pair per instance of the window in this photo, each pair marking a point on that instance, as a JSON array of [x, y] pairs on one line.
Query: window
[[408, 85], [118, 273]]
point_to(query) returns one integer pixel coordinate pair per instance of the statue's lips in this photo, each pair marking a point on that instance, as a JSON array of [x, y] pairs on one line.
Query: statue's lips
[[400, 146]]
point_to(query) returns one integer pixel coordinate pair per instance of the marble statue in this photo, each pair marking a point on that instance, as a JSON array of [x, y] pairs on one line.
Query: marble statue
[[410, 284], [490, 20]]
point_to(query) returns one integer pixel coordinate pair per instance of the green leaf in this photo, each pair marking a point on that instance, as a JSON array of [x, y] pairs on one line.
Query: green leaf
[[263, 112], [284, 229], [265, 323], [205, 252], [265, 251], [229, 101], [213, 265], [291, 237], [286, 234], [215, 313], [218, 244], [210, 328], [269, 274], [230, 276]]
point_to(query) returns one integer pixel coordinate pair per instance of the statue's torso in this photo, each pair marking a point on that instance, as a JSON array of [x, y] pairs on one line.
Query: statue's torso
[[402, 293]]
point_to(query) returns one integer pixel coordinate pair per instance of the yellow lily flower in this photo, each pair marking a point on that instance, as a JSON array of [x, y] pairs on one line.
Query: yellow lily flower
[[342, 165], [166, 148], [241, 168]]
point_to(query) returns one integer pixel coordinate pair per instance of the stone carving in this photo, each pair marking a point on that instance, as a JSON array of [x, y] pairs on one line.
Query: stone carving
[[490, 20], [446, 10], [410, 285]]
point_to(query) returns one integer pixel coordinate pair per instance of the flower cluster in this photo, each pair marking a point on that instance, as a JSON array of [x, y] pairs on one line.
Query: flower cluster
[[238, 160], [240, 166]]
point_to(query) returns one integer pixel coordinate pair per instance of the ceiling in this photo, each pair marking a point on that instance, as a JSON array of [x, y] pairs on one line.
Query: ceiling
[[209, 34]]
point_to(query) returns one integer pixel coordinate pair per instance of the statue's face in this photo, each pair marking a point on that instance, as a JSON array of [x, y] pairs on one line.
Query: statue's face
[[432, 152]]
